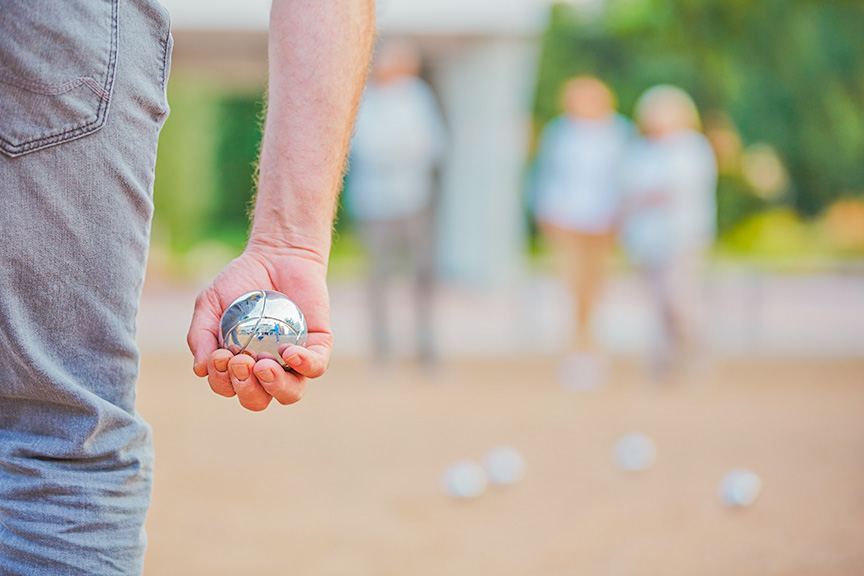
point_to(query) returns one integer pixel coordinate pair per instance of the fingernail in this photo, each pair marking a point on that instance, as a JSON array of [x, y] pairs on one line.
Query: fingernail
[[265, 375], [294, 360], [240, 371], [221, 364]]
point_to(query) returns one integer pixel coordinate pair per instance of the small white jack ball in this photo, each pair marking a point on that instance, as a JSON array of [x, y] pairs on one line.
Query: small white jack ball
[[504, 465], [740, 487], [634, 452], [464, 479]]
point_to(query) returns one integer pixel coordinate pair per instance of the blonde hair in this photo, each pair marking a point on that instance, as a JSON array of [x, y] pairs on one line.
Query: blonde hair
[[669, 107]]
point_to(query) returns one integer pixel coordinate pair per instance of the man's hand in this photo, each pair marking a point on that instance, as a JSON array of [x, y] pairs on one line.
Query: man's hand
[[300, 275], [319, 52]]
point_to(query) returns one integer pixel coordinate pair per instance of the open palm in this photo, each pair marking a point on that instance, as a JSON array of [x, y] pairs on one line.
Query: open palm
[[300, 275]]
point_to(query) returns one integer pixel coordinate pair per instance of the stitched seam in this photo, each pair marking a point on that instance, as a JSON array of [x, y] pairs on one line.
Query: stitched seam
[[166, 54], [52, 89], [51, 138], [112, 60], [166, 44], [104, 94]]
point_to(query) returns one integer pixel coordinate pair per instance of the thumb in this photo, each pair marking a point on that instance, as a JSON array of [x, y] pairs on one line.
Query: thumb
[[203, 337]]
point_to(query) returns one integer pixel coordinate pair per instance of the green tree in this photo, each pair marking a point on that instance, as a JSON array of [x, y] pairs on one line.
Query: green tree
[[788, 72]]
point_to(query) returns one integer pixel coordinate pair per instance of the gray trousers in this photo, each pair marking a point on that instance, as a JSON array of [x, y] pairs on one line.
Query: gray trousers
[[388, 243], [82, 100]]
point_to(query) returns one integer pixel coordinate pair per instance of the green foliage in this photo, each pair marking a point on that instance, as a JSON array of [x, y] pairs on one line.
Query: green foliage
[[206, 164], [735, 202], [185, 170], [208, 151], [774, 234], [788, 72], [237, 146]]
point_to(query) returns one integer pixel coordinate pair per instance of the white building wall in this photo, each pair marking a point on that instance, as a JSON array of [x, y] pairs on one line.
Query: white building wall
[[482, 55], [486, 89]]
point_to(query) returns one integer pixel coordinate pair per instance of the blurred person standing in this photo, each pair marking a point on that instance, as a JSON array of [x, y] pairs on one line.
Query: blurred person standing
[[398, 145], [670, 214], [578, 164]]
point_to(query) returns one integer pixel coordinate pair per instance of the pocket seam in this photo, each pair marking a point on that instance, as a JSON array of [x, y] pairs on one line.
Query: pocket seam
[[52, 89], [81, 129], [167, 47]]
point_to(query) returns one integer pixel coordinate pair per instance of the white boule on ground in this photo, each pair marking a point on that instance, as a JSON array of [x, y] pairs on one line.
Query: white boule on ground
[[634, 452], [464, 479], [504, 465], [740, 487]]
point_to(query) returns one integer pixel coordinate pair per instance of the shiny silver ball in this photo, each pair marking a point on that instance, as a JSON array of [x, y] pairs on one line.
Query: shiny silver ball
[[635, 452], [504, 465], [262, 324], [464, 479], [740, 488]]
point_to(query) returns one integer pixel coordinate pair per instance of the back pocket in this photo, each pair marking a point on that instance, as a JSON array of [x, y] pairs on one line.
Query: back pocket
[[57, 62]]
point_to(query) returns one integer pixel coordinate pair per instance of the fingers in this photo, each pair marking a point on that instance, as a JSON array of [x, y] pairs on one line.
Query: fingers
[[310, 362], [256, 383], [217, 370], [285, 387], [245, 384], [202, 337]]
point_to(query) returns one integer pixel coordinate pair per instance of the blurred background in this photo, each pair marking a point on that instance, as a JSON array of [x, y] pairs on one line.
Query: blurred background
[[461, 342]]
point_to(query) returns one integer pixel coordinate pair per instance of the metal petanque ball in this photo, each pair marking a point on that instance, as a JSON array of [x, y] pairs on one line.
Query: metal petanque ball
[[504, 465], [634, 452], [261, 324], [464, 479], [740, 487]]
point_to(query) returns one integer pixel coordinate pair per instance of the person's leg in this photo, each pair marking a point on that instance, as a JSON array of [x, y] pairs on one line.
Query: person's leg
[[662, 351], [566, 263], [581, 262], [378, 238], [687, 298], [591, 253], [418, 233], [75, 457]]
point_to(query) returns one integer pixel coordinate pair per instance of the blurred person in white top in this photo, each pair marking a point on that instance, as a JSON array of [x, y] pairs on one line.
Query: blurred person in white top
[[670, 213], [577, 202], [398, 145]]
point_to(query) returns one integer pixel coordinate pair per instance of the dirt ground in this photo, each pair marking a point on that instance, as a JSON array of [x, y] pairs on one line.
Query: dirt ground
[[347, 482]]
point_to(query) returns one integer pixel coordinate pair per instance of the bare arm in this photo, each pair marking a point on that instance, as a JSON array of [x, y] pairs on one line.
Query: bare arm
[[319, 55]]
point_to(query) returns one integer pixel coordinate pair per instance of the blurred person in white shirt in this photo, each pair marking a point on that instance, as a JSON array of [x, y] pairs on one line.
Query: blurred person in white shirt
[[577, 201], [398, 146], [670, 214]]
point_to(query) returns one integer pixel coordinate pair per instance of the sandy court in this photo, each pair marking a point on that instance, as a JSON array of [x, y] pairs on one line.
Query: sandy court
[[347, 481]]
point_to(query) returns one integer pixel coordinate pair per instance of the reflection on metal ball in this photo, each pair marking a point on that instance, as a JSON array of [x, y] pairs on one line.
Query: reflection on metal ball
[[261, 324]]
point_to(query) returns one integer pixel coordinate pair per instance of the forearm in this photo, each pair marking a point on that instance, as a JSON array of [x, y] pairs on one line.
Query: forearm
[[319, 55]]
